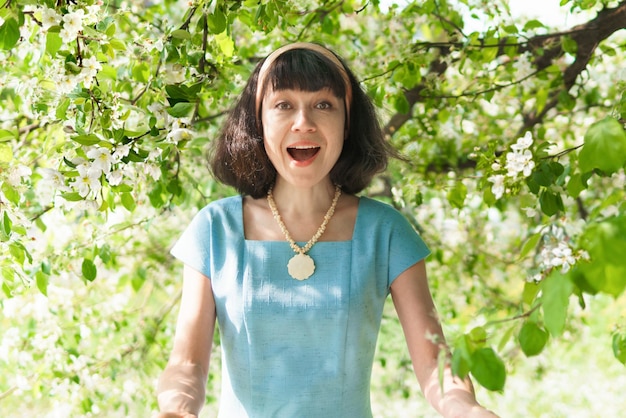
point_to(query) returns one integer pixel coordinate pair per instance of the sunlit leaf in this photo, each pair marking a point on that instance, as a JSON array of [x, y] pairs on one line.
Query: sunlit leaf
[[604, 147], [488, 369], [6, 153], [532, 338], [605, 242], [556, 290], [619, 346], [89, 269], [9, 33]]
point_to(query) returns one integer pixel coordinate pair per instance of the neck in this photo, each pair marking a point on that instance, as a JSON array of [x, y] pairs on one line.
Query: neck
[[303, 202]]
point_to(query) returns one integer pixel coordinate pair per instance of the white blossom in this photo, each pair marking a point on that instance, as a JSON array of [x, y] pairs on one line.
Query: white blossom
[[88, 180], [90, 68], [73, 21], [174, 73], [519, 162], [92, 13], [153, 171], [498, 185], [49, 18], [120, 152], [67, 35], [66, 84], [530, 211], [16, 174], [523, 66], [102, 160], [115, 177], [523, 143], [178, 133], [155, 153], [561, 256]]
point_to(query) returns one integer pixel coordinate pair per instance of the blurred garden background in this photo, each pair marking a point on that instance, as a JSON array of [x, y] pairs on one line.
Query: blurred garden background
[[510, 114]]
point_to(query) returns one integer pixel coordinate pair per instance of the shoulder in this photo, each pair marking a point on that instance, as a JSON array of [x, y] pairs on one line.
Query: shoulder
[[379, 210], [222, 212], [222, 206]]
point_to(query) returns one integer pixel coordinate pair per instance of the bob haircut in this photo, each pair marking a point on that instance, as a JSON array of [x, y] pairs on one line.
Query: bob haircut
[[239, 158]]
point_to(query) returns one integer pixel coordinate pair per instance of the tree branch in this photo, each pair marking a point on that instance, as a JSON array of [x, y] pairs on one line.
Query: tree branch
[[587, 36]]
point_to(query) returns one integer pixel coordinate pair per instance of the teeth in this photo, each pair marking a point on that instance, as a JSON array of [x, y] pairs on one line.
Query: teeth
[[304, 147]]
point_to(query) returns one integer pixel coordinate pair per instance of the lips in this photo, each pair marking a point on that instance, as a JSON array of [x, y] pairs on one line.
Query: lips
[[302, 153]]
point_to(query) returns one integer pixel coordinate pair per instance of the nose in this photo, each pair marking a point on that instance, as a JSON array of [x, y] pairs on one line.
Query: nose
[[303, 121]]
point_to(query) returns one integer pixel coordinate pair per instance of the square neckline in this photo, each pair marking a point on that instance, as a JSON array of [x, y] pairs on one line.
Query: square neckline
[[243, 230]]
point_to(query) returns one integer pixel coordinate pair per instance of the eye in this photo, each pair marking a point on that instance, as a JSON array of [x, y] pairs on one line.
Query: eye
[[324, 105], [283, 106]]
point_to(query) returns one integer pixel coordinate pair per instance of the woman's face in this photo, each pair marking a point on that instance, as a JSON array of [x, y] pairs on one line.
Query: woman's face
[[303, 133]]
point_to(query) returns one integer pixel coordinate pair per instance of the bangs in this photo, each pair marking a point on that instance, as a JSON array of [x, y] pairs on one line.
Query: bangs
[[305, 70]]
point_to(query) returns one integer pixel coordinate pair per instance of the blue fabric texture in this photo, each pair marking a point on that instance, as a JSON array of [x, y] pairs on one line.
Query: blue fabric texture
[[298, 348]]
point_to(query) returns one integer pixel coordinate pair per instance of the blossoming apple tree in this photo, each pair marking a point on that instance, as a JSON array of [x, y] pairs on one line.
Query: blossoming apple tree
[[513, 133]]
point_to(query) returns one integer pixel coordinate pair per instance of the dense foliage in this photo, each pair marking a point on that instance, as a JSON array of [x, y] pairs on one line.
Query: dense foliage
[[513, 133]]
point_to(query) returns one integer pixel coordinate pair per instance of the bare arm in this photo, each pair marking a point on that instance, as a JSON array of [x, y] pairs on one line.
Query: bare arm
[[425, 339], [181, 387]]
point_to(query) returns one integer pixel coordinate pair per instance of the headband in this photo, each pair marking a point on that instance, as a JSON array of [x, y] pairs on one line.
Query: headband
[[312, 47]]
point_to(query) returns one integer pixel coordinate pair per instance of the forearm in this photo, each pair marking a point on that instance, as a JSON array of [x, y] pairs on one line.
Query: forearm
[[181, 388]]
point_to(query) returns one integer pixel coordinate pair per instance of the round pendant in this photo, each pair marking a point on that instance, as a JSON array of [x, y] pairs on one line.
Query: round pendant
[[301, 266]]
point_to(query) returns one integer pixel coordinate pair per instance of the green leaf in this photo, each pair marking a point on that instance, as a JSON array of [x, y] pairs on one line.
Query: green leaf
[[178, 92], [72, 197], [6, 135], [11, 194], [605, 242], [110, 31], [6, 153], [89, 270], [226, 44], [128, 202], [141, 72], [216, 22], [401, 104], [531, 289], [619, 346], [532, 338], [488, 369], [86, 140], [457, 195], [530, 244], [576, 184], [62, 109], [42, 280], [9, 33], [18, 253], [569, 45], [138, 279], [460, 362], [181, 34], [7, 225], [181, 109], [53, 43], [117, 44], [556, 290], [604, 147], [551, 203]]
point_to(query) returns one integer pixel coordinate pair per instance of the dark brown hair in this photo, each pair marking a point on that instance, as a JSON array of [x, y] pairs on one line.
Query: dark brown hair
[[239, 158]]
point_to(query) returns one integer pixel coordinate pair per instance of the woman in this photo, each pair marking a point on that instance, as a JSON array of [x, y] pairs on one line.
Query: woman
[[296, 270]]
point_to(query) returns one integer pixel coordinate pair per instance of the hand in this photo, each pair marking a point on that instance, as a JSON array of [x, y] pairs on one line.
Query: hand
[[479, 412]]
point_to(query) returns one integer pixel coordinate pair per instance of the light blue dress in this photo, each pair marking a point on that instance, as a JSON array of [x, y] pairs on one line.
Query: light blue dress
[[298, 349]]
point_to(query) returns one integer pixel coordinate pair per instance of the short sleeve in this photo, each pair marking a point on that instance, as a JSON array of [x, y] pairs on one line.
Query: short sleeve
[[194, 246], [406, 247]]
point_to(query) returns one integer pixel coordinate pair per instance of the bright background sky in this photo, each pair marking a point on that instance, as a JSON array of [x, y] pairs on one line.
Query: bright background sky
[[548, 12]]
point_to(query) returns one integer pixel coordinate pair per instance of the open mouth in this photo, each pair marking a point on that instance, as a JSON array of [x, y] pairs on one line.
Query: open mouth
[[303, 153]]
